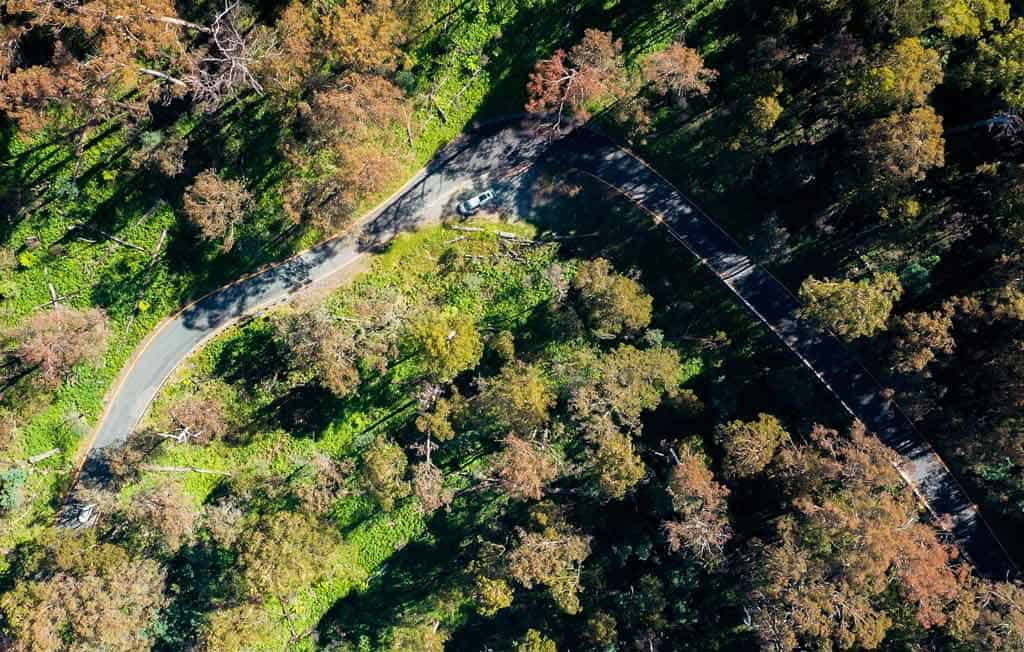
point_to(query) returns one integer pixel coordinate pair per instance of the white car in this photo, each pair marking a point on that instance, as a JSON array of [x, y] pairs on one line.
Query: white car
[[473, 204]]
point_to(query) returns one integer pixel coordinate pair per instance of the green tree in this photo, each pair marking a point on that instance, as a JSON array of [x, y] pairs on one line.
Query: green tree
[[449, 344], [850, 309], [384, 465], [602, 631], [765, 112], [615, 466], [491, 595], [750, 445], [899, 18], [534, 641], [626, 382], [903, 78], [969, 18], [284, 553], [12, 484], [610, 303], [437, 422], [518, 400], [999, 64], [503, 346]]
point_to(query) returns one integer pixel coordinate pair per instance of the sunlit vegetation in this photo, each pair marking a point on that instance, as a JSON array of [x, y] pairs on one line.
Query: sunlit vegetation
[[552, 432]]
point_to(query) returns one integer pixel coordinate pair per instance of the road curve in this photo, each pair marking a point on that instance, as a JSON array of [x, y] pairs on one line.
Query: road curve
[[828, 359], [497, 154], [490, 152]]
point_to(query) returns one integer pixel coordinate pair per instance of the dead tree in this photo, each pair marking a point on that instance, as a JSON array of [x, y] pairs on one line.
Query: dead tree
[[229, 60]]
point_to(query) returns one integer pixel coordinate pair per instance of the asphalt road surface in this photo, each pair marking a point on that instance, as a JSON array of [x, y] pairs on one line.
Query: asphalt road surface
[[497, 156]]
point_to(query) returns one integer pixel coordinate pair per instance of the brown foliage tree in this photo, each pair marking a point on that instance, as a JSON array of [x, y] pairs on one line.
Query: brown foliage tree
[[919, 335], [125, 40], [138, 52], [316, 39], [422, 637], [679, 71], [167, 512], [551, 558], [216, 206], [524, 468], [26, 93], [904, 146], [8, 430], [363, 36], [334, 348], [855, 529], [592, 70], [54, 342], [295, 34], [201, 418], [428, 487], [703, 528], [95, 594], [322, 481], [122, 461], [224, 521], [353, 150], [354, 110], [318, 345]]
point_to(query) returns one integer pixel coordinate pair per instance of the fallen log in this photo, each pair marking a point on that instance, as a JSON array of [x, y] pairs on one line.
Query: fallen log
[[181, 469], [109, 236], [36, 459]]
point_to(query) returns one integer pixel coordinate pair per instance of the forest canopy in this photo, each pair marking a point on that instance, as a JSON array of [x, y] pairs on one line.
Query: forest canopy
[[544, 426]]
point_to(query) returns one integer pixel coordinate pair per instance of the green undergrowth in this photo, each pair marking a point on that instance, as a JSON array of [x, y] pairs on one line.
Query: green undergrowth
[[500, 292], [503, 295], [99, 188]]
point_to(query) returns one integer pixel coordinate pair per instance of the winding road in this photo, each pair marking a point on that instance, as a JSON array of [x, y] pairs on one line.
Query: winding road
[[498, 155]]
